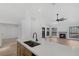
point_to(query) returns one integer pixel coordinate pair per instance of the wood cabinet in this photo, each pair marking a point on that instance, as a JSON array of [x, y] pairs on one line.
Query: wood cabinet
[[22, 51], [18, 49]]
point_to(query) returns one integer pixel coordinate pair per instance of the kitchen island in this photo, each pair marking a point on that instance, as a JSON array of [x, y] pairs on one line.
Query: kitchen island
[[47, 48]]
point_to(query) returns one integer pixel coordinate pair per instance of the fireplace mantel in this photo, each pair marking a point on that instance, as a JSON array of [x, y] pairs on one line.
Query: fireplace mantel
[[62, 32]]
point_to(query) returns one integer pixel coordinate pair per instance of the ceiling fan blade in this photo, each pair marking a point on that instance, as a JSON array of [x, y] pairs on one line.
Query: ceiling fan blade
[[62, 19]]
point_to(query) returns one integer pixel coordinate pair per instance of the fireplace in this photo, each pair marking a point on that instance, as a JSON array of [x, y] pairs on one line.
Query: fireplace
[[62, 35]]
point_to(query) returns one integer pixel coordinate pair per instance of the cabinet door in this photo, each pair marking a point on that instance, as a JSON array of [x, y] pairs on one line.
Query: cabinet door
[[22, 51], [27, 52], [18, 49]]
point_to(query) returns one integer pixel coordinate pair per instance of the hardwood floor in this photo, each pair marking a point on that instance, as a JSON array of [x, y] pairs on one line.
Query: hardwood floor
[[68, 42], [9, 48]]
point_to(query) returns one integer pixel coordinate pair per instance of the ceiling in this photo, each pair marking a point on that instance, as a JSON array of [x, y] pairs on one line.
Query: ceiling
[[15, 12]]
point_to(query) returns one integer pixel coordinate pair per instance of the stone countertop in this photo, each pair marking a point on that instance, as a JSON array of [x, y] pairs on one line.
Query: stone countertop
[[47, 48]]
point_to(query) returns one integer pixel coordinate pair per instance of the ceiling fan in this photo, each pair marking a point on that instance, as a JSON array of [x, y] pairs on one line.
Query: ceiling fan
[[61, 19]]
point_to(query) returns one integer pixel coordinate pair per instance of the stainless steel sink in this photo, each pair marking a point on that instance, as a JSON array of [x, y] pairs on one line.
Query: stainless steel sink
[[31, 43]]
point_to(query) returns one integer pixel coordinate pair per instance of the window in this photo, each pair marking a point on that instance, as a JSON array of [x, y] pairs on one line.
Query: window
[[47, 31], [43, 32], [54, 31], [74, 32]]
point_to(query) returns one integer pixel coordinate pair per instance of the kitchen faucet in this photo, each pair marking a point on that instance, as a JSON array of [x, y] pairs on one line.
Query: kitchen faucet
[[36, 35]]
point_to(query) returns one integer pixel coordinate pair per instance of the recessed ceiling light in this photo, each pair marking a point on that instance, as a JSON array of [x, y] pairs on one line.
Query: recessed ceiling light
[[39, 10]]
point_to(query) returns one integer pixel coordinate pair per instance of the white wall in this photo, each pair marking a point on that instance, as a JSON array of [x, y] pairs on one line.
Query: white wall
[[8, 31], [44, 15], [34, 22], [6, 21]]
